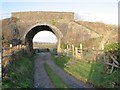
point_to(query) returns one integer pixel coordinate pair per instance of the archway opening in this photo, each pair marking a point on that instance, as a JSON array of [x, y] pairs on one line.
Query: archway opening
[[32, 32], [44, 41]]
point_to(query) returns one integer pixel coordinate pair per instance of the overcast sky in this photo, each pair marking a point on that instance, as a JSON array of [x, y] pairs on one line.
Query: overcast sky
[[90, 10]]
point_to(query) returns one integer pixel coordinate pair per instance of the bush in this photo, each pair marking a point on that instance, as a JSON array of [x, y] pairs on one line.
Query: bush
[[112, 47]]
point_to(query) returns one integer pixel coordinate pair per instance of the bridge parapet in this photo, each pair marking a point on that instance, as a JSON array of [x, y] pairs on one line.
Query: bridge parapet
[[43, 16]]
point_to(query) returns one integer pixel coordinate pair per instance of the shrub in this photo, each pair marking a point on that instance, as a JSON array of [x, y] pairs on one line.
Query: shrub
[[112, 47]]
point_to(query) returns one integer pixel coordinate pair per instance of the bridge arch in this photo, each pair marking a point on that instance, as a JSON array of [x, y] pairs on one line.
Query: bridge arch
[[32, 31]]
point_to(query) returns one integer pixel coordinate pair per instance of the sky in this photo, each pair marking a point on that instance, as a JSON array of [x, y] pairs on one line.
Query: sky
[[41, 37], [88, 10]]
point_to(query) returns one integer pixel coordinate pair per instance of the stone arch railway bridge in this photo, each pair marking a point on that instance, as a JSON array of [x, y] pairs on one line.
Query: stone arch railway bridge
[[59, 23]]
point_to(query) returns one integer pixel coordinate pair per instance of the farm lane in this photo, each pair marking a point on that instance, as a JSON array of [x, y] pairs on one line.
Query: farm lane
[[42, 80]]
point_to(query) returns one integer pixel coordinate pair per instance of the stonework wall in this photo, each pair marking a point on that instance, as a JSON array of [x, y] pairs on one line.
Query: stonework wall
[[26, 20], [63, 22]]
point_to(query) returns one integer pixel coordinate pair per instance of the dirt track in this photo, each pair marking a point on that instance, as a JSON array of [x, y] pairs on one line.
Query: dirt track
[[41, 80]]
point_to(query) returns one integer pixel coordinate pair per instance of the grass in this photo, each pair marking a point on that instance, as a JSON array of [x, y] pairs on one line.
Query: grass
[[60, 61], [20, 74], [80, 70], [56, 80], [100, 78], [92, 72]]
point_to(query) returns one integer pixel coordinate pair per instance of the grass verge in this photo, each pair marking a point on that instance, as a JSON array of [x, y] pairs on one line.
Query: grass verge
[[56, 80], [92, 72], [20, 74], [61, 60]]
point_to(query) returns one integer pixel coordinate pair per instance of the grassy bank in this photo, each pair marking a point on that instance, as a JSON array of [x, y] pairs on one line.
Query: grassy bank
[[89, 72], [20, 74], [56, 80], [61, 60]]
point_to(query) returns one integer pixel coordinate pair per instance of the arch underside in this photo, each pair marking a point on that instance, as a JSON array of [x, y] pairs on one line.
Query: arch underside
[[30, 35], [37, 29]]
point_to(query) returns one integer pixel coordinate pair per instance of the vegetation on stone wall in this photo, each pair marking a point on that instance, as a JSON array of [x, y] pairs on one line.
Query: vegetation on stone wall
[[53, 22], [63, 45]]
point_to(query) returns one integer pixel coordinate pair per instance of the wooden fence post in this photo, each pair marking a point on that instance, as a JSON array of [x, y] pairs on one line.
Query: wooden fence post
[[81, 48], [76, 52], [73, 49], [67, 49], [102, 46]]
